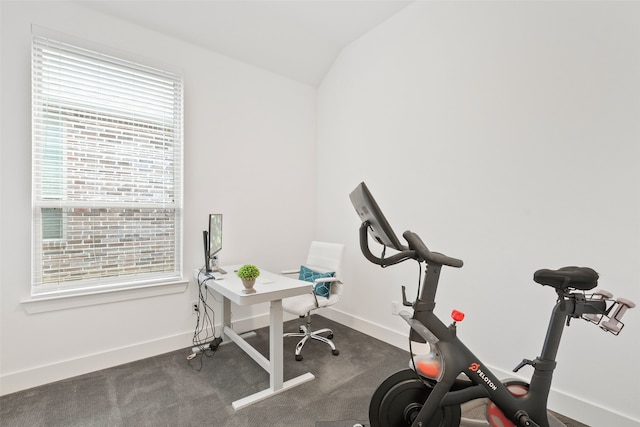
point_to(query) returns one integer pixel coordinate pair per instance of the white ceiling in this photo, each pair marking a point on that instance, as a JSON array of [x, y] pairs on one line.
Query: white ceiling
[[299, 39]]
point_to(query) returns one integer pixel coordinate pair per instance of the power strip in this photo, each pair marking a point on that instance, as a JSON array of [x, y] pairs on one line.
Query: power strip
[[213, 345]]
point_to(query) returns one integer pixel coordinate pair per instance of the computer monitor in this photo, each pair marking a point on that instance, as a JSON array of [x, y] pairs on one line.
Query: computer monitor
[[215, 234], [369, 211]]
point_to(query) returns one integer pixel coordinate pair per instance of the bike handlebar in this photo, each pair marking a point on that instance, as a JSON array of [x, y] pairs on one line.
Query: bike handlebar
[[394, 259], [417, 250], [416, 243]]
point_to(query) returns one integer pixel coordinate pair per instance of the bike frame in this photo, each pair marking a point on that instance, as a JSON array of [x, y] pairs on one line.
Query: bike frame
[[458, 358], [527, 410]]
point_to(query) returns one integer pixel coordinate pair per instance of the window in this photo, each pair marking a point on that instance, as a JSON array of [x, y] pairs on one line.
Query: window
[[107, 170]]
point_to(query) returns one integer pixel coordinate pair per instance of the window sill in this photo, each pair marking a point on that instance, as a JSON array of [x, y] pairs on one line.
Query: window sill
[[34, 305]]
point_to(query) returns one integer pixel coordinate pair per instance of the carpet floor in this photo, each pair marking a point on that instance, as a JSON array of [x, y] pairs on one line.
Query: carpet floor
[[169, 390]]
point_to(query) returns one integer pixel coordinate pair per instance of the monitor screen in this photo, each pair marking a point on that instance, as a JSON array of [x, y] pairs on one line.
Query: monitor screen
[[368, 210], [215, 234]]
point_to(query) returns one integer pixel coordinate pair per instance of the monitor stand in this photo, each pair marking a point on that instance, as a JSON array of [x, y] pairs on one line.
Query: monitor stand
[[219, 270]]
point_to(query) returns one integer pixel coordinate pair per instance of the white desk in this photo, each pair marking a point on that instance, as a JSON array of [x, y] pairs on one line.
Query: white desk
[[270, 288]]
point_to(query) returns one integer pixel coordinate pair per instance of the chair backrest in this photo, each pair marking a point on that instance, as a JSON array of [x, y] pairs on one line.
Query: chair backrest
[[326, 257]]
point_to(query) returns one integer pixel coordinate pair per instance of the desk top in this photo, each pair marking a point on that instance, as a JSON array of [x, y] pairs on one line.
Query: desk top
[[269, 286]]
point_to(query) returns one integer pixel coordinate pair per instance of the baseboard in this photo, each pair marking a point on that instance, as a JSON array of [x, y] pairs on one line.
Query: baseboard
[[45, 374], [563, 403], [374, 330], [16, 381]]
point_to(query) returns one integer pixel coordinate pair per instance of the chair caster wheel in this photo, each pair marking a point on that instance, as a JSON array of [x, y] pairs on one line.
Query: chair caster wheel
[[335, 352], [298, 357], [330, 336], [301, 330]]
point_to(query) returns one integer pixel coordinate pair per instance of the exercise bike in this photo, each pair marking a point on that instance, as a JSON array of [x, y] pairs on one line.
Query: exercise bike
[[439, 386]]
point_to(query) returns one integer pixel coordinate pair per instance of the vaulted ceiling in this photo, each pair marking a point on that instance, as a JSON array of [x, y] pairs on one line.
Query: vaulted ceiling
[[299, 39]]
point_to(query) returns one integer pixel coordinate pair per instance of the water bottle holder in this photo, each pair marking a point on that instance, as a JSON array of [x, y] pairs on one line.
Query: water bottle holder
[[598, 295], [593, 318], [614, 328], [607, 322]]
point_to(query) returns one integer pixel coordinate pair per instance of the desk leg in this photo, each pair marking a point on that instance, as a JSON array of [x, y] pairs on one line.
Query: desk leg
[[276, 354], [226, 314], [275, 363]]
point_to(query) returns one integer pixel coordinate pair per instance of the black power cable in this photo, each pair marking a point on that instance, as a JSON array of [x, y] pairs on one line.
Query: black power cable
[[204, 334]]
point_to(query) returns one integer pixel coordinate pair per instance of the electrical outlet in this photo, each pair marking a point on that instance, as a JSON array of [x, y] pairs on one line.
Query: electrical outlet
[[395, 307], [195, 307]]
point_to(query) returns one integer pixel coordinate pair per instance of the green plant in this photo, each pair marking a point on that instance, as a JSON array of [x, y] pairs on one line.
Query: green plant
[[248, 272]]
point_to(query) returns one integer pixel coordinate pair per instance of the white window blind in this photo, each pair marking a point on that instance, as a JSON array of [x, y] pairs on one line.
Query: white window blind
[[107, 170]]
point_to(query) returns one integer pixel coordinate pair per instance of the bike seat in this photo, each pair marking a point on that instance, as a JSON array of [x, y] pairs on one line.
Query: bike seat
[[582, 278]]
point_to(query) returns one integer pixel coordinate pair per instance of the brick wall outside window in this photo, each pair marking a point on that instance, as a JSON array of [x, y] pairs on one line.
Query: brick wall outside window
[[108, 242]]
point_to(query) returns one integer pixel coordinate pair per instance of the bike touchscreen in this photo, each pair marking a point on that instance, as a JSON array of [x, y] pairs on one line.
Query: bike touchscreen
[[370, 212]]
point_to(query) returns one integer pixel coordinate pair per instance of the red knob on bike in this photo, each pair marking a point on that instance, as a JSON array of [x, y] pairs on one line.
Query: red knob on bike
[[457, 316]]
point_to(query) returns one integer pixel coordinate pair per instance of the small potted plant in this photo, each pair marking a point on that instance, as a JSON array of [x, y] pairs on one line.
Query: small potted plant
[[248, 274]]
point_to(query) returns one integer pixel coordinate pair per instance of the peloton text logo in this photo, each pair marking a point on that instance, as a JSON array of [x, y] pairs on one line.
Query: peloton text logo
[[475, 367]]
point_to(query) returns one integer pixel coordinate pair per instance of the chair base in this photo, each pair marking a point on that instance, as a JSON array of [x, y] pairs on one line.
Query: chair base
[[306, 334]]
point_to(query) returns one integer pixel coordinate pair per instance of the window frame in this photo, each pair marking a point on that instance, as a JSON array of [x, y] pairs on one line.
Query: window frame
[[41, 200]]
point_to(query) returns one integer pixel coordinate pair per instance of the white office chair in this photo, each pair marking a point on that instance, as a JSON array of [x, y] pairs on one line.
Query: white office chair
[[322, 260]]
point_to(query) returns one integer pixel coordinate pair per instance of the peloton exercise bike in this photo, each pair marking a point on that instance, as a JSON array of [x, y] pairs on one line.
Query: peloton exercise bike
[[436, 387]]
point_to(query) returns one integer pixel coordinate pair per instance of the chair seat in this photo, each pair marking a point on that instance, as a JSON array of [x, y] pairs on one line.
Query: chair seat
[[323, 257], [303, 304]]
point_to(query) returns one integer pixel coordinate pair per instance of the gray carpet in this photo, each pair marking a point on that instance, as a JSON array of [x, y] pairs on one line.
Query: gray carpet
[[168, 390]]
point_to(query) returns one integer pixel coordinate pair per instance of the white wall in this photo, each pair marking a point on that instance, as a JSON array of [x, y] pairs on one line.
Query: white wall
[[505, 134], [249, 154]]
